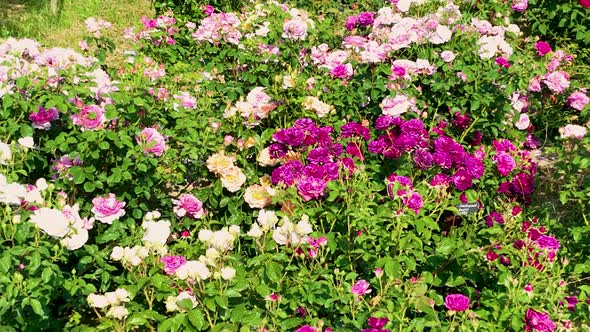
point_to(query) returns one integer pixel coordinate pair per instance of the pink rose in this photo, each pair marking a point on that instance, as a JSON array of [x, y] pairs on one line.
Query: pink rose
[[108, 209], [573, 131], [90, 117], [152, 141], [189, 205], [42, 118], [457, 302], [361, 287], [172, 263], [295, 29]]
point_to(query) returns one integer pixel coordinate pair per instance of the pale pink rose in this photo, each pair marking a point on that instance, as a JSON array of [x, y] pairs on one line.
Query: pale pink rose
[[573, 131], [189, 205], [152, 141], [186, 100], [257, 97], [108, 209], [91, 117], [578, 100], [295, 29], [447, 56], [557, 81], [523, 122]]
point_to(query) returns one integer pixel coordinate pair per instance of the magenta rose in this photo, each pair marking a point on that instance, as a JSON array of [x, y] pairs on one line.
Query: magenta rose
[[311, 188], [152, 141], [538, 321], [42, 118], [543, 48], [457, 302], [172, 263], [90, 117], [108, 209], [585, 3], [189, 205]]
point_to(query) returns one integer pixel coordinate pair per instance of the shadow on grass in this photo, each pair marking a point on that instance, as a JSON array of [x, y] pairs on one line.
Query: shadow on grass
[[28, 18]]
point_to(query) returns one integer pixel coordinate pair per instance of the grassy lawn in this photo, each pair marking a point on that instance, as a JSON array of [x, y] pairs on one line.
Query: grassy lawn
[[34, 18]]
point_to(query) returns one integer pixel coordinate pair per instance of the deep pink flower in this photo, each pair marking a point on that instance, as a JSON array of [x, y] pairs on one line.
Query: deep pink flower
[[108, 209], [306, 328], [342, 71], [537, 321], [502, 62], [189, 205], [543, 48], [42, 118], [584, 3], [457, 302], [505, 163], [361, 287], [172, 263]]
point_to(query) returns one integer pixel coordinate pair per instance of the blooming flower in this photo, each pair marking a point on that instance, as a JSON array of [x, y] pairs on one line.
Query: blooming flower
[[42, 118], [172, 263], [361, 287], [578, 100], [543, 48], [51, 221], [91, 117], [189, 205], [152, 141], [537, 321], [108, 209], [572, 131], [457, 302]]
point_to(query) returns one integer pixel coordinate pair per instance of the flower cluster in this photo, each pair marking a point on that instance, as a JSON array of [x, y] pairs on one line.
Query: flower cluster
[[290, 234], [219, 27], [232, 177], [156, 232], [401, 187], [324, 158], [256, 107], [66, 225], [130, 256], [114, 300], [265, 222], [94, 26], [183, 302], [159, 31]]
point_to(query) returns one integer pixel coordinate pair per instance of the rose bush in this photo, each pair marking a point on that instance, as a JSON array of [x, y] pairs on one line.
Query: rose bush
[[288, 167]]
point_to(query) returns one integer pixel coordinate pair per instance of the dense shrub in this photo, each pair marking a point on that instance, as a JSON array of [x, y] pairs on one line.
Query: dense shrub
[[335, 168]]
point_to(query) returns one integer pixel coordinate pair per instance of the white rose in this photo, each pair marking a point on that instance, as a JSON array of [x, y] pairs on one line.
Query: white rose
[[228, 273], [5, 153], [117, 253], [156, 231], [53, 222], [27, 142], [97, 301]]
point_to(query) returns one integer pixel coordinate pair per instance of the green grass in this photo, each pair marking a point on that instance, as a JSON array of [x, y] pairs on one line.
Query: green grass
[[34, 18]]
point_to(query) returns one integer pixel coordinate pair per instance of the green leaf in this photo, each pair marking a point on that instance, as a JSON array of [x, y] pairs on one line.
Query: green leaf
[[273, 271], [37, 307], [197, 318], [89, 187]]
